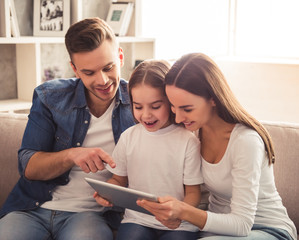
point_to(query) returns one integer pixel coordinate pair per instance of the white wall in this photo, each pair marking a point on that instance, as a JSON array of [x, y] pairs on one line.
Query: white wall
[[268, 91]]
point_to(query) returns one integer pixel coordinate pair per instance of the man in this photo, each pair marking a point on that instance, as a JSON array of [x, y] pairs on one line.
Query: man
[[73, 127]]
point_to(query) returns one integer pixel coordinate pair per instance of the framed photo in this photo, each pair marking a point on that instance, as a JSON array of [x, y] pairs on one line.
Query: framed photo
[[119, 17], [51, 17]]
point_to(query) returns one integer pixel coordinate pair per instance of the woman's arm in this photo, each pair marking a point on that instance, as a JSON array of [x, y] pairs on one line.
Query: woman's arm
[[192, 198], [169, 210]]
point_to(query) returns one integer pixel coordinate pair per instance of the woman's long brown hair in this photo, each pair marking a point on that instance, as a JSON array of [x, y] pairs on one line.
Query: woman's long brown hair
[[199, 75]]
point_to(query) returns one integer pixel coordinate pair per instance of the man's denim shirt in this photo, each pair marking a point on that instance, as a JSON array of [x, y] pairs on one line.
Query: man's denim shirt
[[58, 120]]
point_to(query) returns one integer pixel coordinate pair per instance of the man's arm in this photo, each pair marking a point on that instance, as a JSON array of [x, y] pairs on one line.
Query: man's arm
[[48, 165]]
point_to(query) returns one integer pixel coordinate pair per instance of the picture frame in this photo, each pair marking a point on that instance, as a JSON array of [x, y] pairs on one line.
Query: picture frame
[[119, 17], [51, 18]]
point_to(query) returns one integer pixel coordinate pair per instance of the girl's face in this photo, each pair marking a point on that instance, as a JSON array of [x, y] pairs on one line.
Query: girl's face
[[191, 110], [150, 107]]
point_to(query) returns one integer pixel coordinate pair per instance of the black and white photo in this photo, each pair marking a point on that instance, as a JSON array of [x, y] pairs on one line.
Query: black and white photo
[[51, 17]]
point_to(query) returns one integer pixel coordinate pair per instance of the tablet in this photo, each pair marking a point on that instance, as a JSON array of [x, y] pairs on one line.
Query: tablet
[[121, 196]]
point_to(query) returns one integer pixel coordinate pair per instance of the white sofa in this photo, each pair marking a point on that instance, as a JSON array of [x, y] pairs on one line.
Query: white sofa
[[286, 168]]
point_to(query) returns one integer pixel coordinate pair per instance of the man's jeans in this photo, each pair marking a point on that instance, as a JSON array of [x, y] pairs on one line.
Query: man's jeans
[[43, 224]]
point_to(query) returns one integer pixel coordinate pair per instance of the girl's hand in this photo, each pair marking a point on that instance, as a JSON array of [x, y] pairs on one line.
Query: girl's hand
[[167, 210], [102, 201]]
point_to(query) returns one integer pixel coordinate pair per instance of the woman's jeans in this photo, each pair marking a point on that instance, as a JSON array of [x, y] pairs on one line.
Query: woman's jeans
[[131, 231], [258, 232], [44, 224]]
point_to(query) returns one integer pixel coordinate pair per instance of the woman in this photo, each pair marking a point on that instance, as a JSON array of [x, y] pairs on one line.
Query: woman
[[237, 157]]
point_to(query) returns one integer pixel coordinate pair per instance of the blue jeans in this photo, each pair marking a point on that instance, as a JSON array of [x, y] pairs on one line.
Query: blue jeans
[[44, 224], [258, 232], [131, 231]]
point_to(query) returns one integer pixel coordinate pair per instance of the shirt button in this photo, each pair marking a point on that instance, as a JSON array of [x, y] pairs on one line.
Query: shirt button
[[37, 203], [85, 121], [78, 144]]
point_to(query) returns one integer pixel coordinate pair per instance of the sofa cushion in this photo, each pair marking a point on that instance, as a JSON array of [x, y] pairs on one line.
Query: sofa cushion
[[12, 127], [286, 167]]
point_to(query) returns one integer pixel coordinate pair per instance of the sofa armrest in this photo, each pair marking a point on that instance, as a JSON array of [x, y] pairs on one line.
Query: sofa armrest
[[285, 138]]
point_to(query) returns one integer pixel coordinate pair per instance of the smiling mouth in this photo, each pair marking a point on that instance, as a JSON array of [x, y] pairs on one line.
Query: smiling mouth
[[149, 124], [105, 88], [188, 123]]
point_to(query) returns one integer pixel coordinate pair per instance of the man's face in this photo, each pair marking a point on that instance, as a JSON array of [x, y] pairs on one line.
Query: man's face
[[99, 71]]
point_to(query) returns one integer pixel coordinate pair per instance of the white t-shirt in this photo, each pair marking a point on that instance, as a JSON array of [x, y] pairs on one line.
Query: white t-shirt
[[77, 195], [242, 188], [160, 163]]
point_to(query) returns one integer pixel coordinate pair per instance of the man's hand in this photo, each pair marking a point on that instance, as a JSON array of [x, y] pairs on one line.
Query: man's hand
[[90, 159], [49, 165]]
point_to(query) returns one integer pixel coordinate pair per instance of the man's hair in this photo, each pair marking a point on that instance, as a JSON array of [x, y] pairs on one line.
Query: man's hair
[[87, 35]]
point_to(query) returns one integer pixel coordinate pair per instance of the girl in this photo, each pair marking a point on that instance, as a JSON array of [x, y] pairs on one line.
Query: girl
[[155, 156], [237, 156]]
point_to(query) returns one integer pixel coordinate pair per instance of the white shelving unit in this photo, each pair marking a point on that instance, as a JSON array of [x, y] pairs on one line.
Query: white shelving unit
[[28, 64], [28, 59], [29, 69]]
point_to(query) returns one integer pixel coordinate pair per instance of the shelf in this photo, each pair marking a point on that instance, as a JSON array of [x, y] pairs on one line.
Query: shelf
[[34, 54], [14, 105], [33, 40], [134, 39]]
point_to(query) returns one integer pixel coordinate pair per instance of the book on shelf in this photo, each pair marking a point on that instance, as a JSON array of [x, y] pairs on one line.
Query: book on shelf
[[5, 30], [119, 17], [8, 19], [15, 31]]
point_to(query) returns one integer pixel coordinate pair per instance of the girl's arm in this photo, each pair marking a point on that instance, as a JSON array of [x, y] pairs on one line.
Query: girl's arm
[[118, 180], [115, 179], [192, 195]]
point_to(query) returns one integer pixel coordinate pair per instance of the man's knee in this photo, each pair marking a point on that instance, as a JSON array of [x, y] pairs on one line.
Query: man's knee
[[19, 225]]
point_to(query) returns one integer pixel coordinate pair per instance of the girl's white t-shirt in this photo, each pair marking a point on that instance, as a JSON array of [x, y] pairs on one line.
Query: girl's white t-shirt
[[160, 163]]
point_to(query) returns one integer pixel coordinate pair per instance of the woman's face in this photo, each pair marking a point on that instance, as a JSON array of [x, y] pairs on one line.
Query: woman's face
[[191, 110]]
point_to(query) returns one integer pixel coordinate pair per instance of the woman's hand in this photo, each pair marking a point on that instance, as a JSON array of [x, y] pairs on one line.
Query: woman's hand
[[171, 224], [102, 201], [167, 210]]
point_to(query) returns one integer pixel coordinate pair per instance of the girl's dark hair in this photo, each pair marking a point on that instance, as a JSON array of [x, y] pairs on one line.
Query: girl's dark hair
[[151, 73]]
